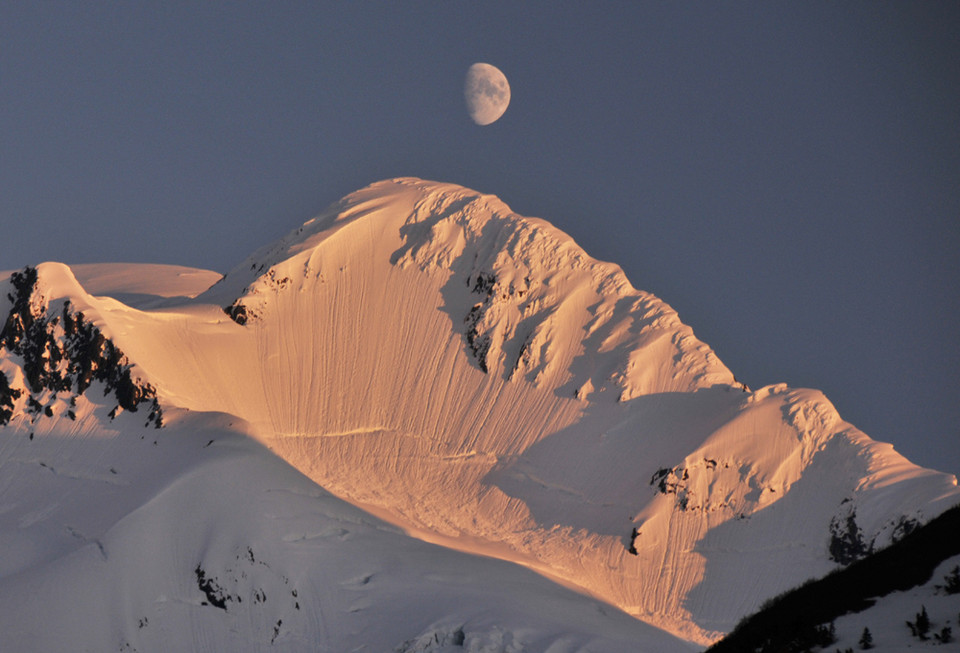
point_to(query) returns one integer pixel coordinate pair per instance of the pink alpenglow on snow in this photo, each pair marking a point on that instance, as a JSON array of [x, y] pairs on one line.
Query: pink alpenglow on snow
[[553, 459]]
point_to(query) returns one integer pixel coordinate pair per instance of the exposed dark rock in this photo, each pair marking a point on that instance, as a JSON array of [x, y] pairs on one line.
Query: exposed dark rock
[[670, 481], [64, 353], [479, 344], [659, 479], [484, 284], [7, 396], [21, 315], [481, 333], [216, 596], [905, 525], [237, 312], [846, 540]]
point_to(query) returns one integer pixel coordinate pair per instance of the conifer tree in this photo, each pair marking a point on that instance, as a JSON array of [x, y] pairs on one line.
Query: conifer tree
[[923, 623], [952, 581], [945, 636], [920, 626]]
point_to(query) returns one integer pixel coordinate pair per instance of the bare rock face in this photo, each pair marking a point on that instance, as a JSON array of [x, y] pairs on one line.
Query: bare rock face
[[60, 355]]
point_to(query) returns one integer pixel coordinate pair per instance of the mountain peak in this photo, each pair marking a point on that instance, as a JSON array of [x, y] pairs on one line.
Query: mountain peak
[[528, 300], [383, 198]]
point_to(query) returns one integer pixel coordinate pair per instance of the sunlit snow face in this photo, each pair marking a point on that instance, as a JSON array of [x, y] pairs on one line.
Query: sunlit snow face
[[486, 93]]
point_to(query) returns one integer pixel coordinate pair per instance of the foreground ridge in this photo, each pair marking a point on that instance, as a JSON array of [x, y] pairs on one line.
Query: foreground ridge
[[793, 618]]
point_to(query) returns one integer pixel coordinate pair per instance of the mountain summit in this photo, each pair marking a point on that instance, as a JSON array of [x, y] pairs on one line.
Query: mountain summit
[[470, 376]]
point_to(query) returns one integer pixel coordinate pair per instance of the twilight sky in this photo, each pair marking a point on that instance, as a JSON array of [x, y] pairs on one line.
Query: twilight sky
[[785, 174]]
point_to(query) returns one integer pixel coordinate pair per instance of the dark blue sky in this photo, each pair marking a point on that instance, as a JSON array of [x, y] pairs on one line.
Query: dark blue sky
[[786, 175]]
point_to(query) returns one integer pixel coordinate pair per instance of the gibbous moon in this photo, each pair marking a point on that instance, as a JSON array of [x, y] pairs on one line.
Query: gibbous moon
[[487, 93]]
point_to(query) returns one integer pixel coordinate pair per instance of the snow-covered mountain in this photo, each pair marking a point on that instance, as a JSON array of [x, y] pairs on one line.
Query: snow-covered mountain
[[464, 377]]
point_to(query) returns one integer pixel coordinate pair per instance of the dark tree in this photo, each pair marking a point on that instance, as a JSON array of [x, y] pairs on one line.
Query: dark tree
[[920, 626], [945, 636], [866, 639], [951, 582], [824, 635]]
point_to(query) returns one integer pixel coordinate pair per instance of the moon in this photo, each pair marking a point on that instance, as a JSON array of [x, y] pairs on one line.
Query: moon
[[486, 92]]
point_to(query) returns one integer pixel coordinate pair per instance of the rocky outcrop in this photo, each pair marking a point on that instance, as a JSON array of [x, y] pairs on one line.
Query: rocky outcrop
[[62, 353]]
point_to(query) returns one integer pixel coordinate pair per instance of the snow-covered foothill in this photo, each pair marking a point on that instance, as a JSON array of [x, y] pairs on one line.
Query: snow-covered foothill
[[888, 620], [196, 538]]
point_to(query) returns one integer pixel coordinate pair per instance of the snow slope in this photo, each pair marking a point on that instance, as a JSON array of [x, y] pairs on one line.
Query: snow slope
[[887, 619], [475, 378], [201, 540], [143, 285]]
